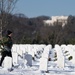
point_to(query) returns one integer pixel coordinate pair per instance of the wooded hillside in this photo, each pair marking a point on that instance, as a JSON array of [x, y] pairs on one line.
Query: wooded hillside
[[33, 31]]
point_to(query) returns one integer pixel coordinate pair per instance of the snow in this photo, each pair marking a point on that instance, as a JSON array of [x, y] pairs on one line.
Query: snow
[[23, 68]]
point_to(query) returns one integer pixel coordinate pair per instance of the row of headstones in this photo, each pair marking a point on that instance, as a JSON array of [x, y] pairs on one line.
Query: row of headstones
[[45, 54], [44, 59], [25, 51], [16, 51], [61, 54], [27, 48]]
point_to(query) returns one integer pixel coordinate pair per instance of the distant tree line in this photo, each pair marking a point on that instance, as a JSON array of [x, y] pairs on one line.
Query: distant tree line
[[33, 31]]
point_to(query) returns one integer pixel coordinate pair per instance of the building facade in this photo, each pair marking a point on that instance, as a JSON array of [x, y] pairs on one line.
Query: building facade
[[59, 19]]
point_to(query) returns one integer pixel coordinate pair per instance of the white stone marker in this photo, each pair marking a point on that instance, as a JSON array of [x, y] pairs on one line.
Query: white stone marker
[[44, 59], [15, 58], [60, 57], [43, 64], [7, 63]]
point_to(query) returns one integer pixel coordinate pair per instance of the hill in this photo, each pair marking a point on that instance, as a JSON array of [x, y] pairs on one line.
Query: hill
[[33, 31]]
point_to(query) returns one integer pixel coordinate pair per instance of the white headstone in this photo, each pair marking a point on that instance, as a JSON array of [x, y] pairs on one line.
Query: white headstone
[[60, 57], [7, 63], [15, 58], [43, 64]]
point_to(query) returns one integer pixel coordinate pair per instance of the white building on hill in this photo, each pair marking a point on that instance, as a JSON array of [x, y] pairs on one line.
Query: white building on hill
[[60, 19]]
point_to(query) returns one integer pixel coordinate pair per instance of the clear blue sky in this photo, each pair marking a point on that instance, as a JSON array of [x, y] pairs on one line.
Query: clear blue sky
[[34, 8]]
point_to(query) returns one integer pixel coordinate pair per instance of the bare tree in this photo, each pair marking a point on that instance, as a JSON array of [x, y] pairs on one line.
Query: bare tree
[[6, 7]]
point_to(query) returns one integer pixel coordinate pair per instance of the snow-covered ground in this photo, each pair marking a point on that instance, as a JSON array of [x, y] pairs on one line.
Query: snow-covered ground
[[34, 70], [24, 69]]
